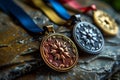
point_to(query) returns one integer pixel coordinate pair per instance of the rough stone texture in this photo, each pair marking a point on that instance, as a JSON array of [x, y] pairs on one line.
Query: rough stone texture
[[14, 40]]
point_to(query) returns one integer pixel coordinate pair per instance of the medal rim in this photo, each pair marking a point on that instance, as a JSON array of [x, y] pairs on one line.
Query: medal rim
[[80, 46], [105, 31], [46, 60]]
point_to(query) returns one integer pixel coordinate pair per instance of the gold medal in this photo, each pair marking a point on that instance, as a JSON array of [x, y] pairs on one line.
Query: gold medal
[[105, 23], [58, 51]]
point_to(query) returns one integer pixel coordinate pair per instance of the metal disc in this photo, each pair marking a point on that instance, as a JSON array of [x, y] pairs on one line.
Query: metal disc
[[59, 52], [105, 23], [88, 37]]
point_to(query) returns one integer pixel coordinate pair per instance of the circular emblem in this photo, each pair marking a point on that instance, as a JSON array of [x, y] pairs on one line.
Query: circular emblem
[[59, 52], [88, 37], [105, 23]]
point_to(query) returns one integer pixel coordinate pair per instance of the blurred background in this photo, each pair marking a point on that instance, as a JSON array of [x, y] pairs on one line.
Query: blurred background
[[114, 3]]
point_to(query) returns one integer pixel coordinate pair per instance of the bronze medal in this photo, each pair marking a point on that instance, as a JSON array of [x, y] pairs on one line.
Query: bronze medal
[[58, 51], [105, 23]]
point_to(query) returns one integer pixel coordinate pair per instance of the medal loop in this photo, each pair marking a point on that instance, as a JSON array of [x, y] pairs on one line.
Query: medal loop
[[49, 29]]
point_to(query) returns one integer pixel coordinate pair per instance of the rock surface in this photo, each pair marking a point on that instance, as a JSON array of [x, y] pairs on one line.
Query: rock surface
[[17, 45]]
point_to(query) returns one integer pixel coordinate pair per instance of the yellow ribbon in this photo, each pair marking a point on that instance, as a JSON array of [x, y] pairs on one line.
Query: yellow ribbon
[[49, 12]]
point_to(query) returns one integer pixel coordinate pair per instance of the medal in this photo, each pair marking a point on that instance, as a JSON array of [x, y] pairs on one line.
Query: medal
[[58, 51], [87, 37], [103, 20]]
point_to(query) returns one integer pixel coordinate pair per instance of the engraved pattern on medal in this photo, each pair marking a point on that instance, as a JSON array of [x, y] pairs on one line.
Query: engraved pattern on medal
[[59, 51], [88, 36], [106, 21]]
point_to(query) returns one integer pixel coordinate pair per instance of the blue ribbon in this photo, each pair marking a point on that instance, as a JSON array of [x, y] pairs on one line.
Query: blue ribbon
[[59, 9], [10, 7]]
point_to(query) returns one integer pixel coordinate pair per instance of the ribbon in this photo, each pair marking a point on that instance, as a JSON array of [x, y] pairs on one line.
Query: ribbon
[[49, 12], [10, 7], [74, 4], [59, 9]]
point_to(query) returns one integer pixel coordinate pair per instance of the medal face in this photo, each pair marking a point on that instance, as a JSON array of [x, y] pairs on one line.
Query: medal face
[[88, 37], [105, 23], [59, 52]]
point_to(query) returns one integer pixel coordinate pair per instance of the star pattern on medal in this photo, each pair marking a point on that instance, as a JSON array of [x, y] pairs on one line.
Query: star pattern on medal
[[89, 37], [59, 52]]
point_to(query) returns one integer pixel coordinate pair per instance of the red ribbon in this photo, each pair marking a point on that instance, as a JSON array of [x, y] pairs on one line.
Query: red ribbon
[[74, 4]]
